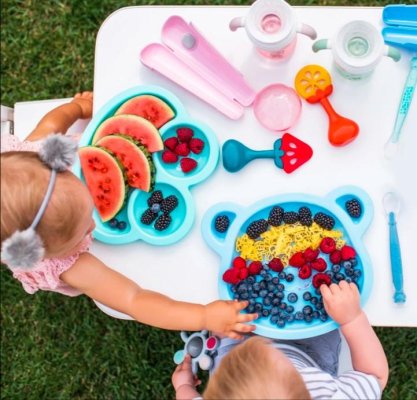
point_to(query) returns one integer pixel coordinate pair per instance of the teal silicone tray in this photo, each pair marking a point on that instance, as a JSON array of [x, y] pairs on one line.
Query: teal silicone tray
[[332, 204], [169, 177]]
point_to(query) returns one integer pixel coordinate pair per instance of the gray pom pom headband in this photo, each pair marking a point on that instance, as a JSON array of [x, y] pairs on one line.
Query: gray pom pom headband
[[25, 248]]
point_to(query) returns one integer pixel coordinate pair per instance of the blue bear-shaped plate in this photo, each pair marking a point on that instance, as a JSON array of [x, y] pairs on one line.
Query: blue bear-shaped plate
[[334, 205], [169, 177]]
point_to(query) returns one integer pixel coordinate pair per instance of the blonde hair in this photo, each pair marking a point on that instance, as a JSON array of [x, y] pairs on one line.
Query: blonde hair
[[250, 372], [24, 180]]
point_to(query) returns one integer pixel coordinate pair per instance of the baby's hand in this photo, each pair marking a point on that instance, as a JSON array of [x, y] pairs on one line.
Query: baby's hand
[[341, 301], [183, 375], [85, 101], [225, 317]]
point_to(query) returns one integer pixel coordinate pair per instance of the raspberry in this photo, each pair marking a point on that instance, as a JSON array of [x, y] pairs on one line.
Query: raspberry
[[336, 257], [169, 157], [221, 223], [156, 197], [324, 220], [185, 134], [196, 145], [239, 263], [290, 217], [297, 260], [231, 275], [182, 150], [319, 265], [310, 254], [171, 143], [243, 273], [347, 252], [257, 227], [275, 216], [353, 207], [188, 164], [255, 267], [276, 265], [162, 222], [327, 245], [304, 272], [304, 214], [169, 203], [321, 279]]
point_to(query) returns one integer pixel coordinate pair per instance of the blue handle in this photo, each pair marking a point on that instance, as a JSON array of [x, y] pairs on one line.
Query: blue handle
[[396, 263]]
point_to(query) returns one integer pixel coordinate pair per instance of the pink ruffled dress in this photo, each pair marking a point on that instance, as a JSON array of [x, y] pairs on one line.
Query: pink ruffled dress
[[45, 275]]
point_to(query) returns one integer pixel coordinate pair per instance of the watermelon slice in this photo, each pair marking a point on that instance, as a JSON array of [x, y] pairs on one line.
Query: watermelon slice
[[104, 179], [138, 128], [136, 160], [152, 108]]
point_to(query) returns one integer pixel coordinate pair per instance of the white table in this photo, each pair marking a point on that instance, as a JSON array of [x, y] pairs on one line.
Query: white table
[[188, 270]]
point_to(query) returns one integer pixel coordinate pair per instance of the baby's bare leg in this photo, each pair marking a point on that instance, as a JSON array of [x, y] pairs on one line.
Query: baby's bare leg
[[61, 118]]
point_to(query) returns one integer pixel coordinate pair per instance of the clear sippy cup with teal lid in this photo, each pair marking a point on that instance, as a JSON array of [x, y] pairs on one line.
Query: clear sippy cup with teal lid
[[272, 26], [357, 49]]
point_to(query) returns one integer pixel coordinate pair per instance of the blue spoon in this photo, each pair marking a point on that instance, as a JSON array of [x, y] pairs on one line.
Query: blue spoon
[[236, 155], [392, 207]]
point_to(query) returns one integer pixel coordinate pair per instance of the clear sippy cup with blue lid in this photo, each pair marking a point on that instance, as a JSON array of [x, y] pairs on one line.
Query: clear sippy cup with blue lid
[[272, 26]]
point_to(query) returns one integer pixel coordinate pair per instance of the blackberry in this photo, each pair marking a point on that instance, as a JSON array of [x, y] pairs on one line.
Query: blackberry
[[324, 220], [221, 223], [169, 203], [353, 207], [162, 222], [148, 217], [304, 214], [275, 216], [290, 217], [255, 228], [156, 197]]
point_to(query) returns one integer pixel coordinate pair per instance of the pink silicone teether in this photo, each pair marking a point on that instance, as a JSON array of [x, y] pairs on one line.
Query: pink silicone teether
[[277, 107]]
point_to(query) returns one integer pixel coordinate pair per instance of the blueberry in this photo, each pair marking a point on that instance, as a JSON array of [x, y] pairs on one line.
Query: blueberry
[[263, 293], [262, 285], [255, 294], [323, 317], [156, 208], [283, 306], [282, 315], [276, 302], [256, 286], [354, 262], [113, 223], [236, 296], [268, 277], [330, 274], [265, 313], [267, 301], [348, 280], [121, 225], [307, 310], [270, 296], [289, 278], [290, 318], [319, 306], [281, 323], [258, 307], [234, 289], [289, 309], [271, 287], [315, 314], [274, 319], [308, 318], [357, 273], [314, 300], [336, 268], [274, 310], [350, 272], [252, 301], [251, 280], [244, 296], [292, 297], [263, 273], [282, 275], [243, 287], [275, 280], [280, 295], [347, 264], [306, 296], [250, 309], [281, 287], [299, 316], [339, 277]]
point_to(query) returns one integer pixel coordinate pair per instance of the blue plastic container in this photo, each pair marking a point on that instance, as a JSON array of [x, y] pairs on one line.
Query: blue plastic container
[[333, 204], [169, 177]]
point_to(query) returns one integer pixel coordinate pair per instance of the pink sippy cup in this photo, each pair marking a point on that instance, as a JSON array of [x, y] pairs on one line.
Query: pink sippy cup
[[272, 26]]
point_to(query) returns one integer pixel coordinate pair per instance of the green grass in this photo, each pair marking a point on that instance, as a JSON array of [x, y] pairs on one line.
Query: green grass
[[54, 347]]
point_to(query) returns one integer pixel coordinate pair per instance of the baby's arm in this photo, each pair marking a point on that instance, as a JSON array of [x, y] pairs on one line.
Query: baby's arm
[[96, 280], [342, 304], [61, 118]]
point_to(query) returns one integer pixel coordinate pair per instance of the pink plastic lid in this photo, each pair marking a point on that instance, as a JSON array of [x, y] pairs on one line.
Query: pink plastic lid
[[277, 107]]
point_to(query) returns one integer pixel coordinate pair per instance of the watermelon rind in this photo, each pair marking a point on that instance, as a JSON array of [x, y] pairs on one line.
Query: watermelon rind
[[112, 168], [147, 182], [138, 128], [150, 107]]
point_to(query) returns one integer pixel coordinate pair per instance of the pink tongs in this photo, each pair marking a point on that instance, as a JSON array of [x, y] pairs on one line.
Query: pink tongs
[[189, 60]]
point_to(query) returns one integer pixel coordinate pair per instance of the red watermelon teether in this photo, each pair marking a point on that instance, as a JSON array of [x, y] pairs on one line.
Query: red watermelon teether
[[288, 153]]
